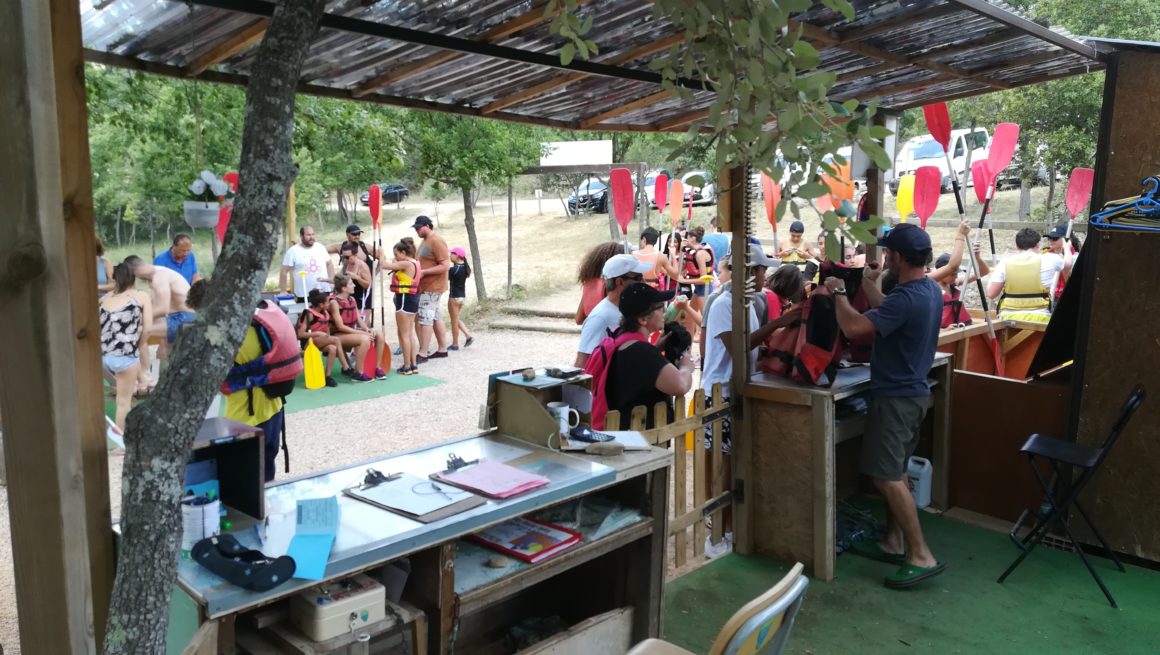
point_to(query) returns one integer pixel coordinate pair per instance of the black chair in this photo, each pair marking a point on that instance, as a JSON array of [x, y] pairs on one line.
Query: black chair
[[1085, 460]]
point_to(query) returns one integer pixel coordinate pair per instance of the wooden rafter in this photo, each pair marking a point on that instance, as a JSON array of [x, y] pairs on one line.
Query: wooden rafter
[[902, 20], [240, 41], [625, 108], [903, 87], [1002, 36], [682, 120], [555, 83], [498, 33], [866, 72]]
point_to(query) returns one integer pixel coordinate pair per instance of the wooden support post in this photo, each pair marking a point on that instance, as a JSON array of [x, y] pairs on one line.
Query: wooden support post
[[739, 226], [876, 190], [40, 374], [509, 253], [291, 218]]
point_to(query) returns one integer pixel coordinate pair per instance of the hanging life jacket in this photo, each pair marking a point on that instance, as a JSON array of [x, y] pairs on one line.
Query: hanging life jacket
[[859, 350], [405, 284], [953, 311], [597, 366], [281, 361], [347, 310], [809, 348], [1023, 290]]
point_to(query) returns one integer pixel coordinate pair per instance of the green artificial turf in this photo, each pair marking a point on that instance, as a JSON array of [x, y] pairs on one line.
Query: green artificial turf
[[1049, 605], [348, 392]]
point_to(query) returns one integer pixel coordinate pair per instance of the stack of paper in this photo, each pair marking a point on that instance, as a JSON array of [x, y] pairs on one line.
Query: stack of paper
[[316, 528], [528, 540], [492, 479]]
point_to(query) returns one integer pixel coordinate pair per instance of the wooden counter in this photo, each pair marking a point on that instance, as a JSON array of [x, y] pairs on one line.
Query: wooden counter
[[796, 429]]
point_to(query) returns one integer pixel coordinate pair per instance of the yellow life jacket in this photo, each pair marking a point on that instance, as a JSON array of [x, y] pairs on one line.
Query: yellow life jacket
[[1023, 291]]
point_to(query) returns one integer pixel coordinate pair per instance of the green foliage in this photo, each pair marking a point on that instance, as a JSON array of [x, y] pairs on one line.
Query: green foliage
[[465, 153]]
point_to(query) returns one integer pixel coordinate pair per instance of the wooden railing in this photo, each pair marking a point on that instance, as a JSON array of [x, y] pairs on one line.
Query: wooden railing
[[710, 493]]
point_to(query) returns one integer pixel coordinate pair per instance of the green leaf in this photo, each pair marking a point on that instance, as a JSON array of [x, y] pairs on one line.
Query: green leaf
[[695, 181], [805, 55], [830, 221], [587, 24], [567, 53], [850, 105], [779, 212], [879, 132], [811, 190], [872, 223], [834, 248], [841, 6]]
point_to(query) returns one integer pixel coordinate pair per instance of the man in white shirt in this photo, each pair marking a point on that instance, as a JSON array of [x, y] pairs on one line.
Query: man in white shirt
[[303, 265], [618, 272], [1015, 279]]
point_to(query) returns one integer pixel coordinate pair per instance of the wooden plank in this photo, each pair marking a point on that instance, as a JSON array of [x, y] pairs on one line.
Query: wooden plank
[[555, 83], [648, 621], [902, 19], [941, 439], [76, 181], [782, 471], [204, 641], [822, 489], [717, 479], [700, 469], [866, 72], [631, 106], [680, 487], [43, 424], [1012, 341], [240, 41], [610, 632], [681, 121]]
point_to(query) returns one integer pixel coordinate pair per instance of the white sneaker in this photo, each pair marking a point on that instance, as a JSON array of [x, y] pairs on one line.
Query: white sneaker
[[723, 547]]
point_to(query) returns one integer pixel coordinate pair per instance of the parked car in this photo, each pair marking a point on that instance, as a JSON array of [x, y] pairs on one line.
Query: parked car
[[391, 194], [590, 196], [650, 186], [923, 150], [706, 194], [1009, 178]]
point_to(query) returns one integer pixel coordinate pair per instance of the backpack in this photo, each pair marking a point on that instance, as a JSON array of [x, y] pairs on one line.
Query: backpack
[[597, 366], [280, 363]]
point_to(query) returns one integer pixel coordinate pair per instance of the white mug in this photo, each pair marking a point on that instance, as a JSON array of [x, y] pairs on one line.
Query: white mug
[[567, 417]]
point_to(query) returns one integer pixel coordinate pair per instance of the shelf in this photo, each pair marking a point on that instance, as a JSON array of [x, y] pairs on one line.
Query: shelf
[[851, 427], [477, 590]]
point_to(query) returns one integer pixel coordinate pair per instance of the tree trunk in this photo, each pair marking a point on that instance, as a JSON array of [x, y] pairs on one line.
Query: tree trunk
[[342, 213], [473, 243], [117, 227], [1049, 214], [1024, 199], [160, 431]]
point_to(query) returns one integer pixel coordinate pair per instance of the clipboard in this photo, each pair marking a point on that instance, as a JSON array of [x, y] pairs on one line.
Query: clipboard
[[490, 478], [416, 498]]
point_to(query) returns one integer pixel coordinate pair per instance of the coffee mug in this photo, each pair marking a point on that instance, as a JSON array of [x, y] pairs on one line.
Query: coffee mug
[[567, 417]]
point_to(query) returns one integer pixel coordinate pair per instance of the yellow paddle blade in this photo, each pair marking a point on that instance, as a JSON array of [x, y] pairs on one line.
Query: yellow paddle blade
[[312, 366], [905, 198]]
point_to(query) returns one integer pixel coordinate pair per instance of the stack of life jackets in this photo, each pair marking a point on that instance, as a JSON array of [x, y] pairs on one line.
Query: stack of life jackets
[[1023, 290], [281, 360]]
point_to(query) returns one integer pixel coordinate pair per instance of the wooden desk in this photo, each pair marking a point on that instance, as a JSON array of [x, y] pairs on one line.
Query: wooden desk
[[793, 465], [467, 608]]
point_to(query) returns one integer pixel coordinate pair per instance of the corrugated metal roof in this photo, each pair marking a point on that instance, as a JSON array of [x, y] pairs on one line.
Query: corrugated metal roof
[[902, 52]]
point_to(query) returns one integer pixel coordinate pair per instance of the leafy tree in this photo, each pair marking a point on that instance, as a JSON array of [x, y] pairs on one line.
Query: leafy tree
[[466, 153]]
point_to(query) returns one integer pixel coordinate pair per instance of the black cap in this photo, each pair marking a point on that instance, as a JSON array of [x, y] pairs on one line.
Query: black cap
[[422, 221], [1057, 232], [942, 260], [353, 229], [798, 227], [907, 238], [636, 299]]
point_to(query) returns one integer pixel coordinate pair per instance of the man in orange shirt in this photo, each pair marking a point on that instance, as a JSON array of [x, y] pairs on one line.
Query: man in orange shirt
[[434, 262]]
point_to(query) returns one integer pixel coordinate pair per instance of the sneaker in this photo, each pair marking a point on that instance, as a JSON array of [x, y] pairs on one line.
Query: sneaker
[[419, 359], [380, 374], [437, 355], [402, 370], [452, 347], [359, 377], [413, 370], [398, 351], [330, 382], [723, 547], [348, 372], [470, 340]]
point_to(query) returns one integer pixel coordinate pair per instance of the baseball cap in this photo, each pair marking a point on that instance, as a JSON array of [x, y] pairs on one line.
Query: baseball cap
[[757, 257], [797, 226], [422, 221], [942, 260], [459, 252], [353, 229], [638, 297], [906, 237], [1057, 232], [618, 265]]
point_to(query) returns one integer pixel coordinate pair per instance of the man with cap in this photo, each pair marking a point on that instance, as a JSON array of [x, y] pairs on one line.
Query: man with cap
[[354, 237], [1056, 240], [798, 249], [1022, 282], [905, 327], [618, 272], [434, 263], [717, 366]]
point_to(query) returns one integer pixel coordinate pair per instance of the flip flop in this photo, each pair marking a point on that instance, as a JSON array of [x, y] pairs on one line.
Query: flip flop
[[909, 575], [872, 550]]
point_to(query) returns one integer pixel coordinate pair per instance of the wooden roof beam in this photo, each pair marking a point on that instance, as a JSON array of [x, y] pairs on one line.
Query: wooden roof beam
[[625, 108], [240, 41], [895, 22], [555, 83], [866, 72], [498, 33], [1002, 36]]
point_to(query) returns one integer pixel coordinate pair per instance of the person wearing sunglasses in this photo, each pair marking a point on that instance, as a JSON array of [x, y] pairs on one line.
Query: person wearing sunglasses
[[618, 272]]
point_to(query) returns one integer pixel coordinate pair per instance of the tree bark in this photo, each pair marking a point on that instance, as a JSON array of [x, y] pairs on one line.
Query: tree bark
[[473, 243], [160, 431], [1024, 199], [342, 205], [1049, 215]]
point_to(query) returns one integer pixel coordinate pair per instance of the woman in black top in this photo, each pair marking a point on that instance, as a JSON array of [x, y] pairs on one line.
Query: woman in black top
[[457, 275], [639, 374]]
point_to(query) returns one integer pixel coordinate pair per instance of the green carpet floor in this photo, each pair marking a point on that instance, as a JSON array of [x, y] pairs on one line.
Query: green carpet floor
[[1049, 605], [348, 392]]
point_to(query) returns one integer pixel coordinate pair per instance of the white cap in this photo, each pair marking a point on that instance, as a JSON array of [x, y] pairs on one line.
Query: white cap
[[757, 257], [619, 265]]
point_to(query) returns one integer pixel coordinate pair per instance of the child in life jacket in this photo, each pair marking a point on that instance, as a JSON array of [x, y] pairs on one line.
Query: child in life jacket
[[314, 325], [351, 329], [405, 274]]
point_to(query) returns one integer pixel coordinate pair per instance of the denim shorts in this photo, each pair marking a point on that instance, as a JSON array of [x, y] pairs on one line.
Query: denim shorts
[[173, 323], [118, 363]]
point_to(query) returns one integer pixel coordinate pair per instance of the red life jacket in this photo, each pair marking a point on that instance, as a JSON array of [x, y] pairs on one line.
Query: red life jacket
[[692, 269], [811, 347], [281, 360], [953, 310], [597, 366], [407, 285], [317, 321], [347, 310]]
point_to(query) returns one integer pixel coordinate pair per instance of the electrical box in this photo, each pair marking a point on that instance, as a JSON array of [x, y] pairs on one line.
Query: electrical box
[[328, 610]]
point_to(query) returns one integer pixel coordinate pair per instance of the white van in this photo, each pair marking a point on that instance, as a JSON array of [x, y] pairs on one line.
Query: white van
[[923, 150]]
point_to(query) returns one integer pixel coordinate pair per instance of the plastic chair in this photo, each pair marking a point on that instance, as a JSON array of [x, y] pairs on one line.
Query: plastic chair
[[1065, 455], [762, 626]]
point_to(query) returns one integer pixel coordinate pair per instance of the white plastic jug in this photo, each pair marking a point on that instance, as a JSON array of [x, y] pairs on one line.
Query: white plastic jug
[[918, 475]]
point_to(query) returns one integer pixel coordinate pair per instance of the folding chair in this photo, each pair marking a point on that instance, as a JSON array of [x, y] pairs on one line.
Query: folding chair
[[1063, 456]]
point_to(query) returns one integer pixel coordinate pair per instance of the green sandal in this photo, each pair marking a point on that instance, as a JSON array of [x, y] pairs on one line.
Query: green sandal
[[872, 550], [909, 575]]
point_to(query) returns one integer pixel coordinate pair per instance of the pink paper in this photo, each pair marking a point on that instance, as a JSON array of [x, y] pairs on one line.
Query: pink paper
[[493, 479]]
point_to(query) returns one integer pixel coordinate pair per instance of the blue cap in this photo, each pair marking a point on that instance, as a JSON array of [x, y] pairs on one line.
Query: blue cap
[[907, 238]]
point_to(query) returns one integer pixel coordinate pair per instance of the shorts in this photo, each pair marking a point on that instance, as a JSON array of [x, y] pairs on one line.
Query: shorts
[[429, 309], [363, 299], [726, 431], [458, 300], [892, 427], [700, 290], [173, 323], [118, 363], [407, 303]]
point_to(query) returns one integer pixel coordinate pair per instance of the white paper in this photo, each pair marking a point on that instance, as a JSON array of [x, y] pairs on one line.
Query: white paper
[[629, 439], [414, 495], [279, 532], [578, 398]]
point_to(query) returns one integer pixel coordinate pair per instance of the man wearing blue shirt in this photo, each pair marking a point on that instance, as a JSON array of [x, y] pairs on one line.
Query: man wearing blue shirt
[[180, 258], [905, 325]]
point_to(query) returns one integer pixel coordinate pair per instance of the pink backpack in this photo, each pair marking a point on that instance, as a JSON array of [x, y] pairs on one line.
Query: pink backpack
[[597, 366]]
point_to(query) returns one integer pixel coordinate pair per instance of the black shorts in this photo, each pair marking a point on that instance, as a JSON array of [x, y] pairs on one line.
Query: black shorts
[[363, 299], [408, 303]]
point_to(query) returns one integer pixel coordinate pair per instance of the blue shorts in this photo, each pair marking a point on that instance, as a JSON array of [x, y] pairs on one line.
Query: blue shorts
[[118, 363], [173, 323]]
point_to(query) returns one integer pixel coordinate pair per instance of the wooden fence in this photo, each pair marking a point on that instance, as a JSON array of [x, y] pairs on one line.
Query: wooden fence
[[710, 493]]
